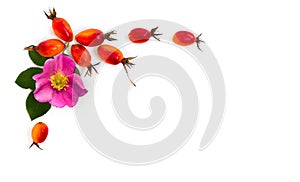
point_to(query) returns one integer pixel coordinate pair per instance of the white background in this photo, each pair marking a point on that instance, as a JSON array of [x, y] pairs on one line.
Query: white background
[[257, 46]]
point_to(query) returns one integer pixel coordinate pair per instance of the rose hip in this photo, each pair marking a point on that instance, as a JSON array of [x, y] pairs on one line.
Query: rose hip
[[39, 134], [185, 38], [83, 58], [114, 56], [48, 48], [93, 37], [60, 26], [141, 35]]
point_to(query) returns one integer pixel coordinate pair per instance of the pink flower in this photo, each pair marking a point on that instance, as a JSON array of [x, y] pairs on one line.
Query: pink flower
[[58, 84]]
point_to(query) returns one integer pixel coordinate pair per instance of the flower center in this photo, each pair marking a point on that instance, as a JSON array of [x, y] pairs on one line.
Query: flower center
[[59, 81]]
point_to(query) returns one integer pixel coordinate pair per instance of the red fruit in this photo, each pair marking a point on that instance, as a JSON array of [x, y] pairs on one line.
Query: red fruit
[[39, 134], [114, 56], [141, 35], [110, 54], [60, 26], [82, 57], [93, 37], [48, 48], [185, 38]]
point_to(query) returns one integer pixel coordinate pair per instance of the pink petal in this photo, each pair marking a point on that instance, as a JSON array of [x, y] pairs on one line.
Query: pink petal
[[77, 85], [63, 98], [41, 82], [71, 98], [49, 69], [43, 91], [39, 76], [65, 64], [57, 99]]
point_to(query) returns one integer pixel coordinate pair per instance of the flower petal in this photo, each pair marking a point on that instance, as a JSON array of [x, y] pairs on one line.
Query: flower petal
[[57, 99], [65, 64], [43, 91], [39, 76], [40, 83], [71, 98], [63, 98], [76, 83], [50, 68]]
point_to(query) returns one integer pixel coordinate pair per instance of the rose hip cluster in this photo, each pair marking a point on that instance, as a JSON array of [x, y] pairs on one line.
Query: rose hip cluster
[[95, 37]]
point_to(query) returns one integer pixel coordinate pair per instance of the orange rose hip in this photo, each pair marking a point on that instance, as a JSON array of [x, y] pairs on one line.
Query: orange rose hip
[[39, 134], [185, 38], [48, 48]]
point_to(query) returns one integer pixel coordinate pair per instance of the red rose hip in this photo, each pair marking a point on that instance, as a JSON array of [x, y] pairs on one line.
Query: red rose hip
[[93, 37], [83, 58], [60, 26], [114, 56], [185, 38], [141, 35]]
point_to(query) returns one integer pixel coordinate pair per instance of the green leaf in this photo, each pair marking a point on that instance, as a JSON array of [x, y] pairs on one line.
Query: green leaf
[[77, 71], [34, 108], [37, 58], [25, 80]]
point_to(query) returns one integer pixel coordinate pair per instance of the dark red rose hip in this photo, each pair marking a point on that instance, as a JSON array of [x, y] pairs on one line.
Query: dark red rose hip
[[141, 35]]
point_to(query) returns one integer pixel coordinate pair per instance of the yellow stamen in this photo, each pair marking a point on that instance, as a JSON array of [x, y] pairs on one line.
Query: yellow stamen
[[59, 81]]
